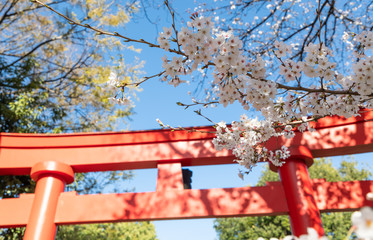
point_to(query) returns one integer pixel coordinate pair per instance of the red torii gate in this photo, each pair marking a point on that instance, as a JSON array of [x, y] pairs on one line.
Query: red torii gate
[[52, 160]]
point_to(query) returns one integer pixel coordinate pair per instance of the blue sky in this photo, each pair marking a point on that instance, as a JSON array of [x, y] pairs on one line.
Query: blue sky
[[158, 100]]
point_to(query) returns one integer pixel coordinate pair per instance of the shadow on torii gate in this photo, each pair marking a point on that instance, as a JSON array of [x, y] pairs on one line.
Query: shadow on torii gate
[[52, 160]]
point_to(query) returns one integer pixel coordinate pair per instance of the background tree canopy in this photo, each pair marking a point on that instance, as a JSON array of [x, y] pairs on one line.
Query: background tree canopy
[[112, 231], [53, 78], [336, 225], [54, 74]]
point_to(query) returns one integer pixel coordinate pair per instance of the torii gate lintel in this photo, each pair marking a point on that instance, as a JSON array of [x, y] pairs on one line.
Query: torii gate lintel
[[53, 159]]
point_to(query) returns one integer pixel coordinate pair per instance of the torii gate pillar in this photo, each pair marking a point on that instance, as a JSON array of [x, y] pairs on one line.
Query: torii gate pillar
[[300, 198], [50, 178]]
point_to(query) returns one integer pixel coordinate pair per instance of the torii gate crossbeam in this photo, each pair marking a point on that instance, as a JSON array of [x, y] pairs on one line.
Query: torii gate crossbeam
[[168, 151]]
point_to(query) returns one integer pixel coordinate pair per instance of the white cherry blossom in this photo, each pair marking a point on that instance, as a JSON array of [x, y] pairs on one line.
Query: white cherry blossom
[[238, 78], [363, 221]]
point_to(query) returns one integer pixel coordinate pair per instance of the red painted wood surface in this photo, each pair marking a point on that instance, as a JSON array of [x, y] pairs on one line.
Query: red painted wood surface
[[170, 177], [168, 151], [145, 149], [194, 203], [51, 178], [299, 194]]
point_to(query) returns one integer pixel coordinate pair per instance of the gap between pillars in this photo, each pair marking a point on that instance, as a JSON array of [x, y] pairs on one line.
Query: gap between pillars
[[51, 178], [300, 197]]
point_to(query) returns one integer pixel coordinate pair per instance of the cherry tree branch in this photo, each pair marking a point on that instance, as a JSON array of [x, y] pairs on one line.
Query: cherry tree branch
[[103, 32]]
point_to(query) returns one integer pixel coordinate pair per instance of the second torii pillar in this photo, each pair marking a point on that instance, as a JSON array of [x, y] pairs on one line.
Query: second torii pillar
[[300, 198]]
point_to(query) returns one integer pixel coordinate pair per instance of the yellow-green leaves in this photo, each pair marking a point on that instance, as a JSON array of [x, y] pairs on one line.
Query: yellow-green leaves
[[70, 64]]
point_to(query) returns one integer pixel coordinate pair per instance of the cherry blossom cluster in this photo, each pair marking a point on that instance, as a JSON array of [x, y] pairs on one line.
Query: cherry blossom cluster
[[365, 38], [363, 69], [362, 221], [363, 76], [328, 92], [311, 88], [316, 64], [119, 98], [245, 138]]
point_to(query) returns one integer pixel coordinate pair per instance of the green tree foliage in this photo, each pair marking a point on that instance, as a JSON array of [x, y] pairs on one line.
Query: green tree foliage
[[110, 231], [53, 75], [336, 225], [53, 78]]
